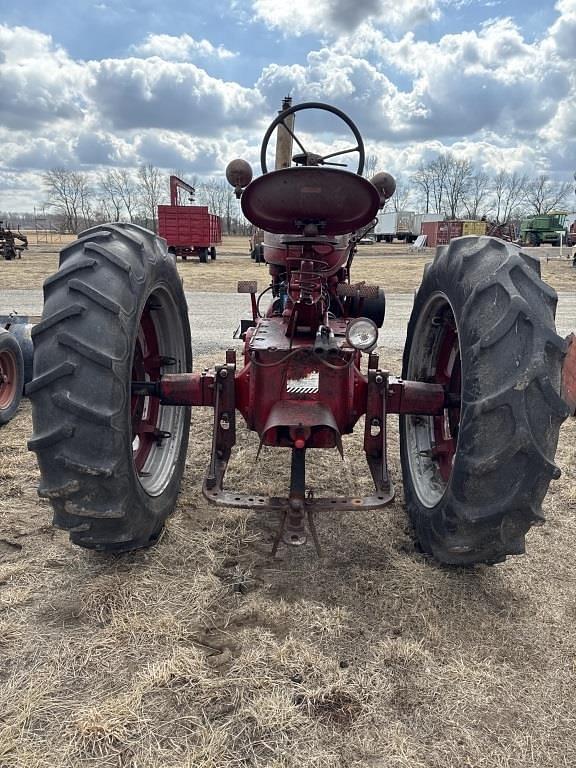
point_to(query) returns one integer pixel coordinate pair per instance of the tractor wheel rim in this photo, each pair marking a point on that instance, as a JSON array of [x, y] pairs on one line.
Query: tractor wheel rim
[[157, 430], [432, 440], [8, 378]]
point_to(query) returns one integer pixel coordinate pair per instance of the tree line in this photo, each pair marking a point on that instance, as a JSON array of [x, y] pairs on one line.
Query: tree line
[[80, 200], [455, 189], [445, 185]]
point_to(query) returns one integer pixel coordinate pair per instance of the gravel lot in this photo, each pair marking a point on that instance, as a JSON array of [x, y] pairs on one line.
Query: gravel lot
[[215, 316]]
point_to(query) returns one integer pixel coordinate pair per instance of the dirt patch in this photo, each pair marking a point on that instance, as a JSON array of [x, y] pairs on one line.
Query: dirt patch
[[392, 266], [207, 652]]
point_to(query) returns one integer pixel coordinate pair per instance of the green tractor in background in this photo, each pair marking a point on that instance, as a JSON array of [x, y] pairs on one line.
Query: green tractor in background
[[546, 228]]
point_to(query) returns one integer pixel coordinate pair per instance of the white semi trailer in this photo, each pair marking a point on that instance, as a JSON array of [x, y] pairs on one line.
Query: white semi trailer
[[402, 225]]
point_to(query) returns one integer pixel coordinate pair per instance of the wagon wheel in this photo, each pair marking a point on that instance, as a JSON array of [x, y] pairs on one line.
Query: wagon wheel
[[111, 458], [11, 376], [310, 158], [482, 326]]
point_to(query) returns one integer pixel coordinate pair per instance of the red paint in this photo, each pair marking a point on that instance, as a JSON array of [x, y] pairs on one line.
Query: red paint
[[449, 377], [441, 232], [145, 410], [187, 227], [569, 375], [8, 378]]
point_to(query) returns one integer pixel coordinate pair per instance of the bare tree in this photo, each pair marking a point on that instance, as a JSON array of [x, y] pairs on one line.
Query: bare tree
[[543, 195], [443, 183], [104, 212], [111, 198], [85, 196], [438, 175], [70, 194], [508, 191], [127, 191], [423, 181], [151, 189], [401, 198], [456, 178], [370, 165], [219, 196], [476, 197]]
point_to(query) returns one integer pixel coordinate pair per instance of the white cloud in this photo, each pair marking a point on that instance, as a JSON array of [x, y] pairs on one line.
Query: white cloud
[[333, 17], [181, 48], [38, 81], [563, 31], [487, 93], [146, 93]]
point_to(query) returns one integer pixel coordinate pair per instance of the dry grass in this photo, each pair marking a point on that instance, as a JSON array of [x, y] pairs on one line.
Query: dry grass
[[390, 266], [207, 653]]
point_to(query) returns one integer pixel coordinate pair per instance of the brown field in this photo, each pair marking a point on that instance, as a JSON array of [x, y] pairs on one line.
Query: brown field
[[205, 652], [391, 266]]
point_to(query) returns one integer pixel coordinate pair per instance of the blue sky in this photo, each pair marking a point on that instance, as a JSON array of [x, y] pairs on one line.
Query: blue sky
[[189, 85]]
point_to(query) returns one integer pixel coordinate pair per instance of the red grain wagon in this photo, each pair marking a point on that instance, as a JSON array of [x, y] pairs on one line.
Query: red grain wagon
[[189, 230]]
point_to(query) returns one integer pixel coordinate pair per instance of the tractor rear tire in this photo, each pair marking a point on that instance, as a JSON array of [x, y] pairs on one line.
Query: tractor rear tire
[[111, 462], [483, 326], [11, 376]]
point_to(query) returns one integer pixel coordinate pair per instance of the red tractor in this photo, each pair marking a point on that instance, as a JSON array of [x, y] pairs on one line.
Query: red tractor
[[479, 398]]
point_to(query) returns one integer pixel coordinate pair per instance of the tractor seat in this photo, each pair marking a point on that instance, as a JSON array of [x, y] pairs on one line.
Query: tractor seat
[[284, 202]]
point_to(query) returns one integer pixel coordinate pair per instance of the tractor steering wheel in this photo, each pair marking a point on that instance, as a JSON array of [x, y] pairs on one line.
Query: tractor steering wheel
[[310, 158]]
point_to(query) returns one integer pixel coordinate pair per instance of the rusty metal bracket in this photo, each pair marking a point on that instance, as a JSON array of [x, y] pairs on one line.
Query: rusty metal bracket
[[295, 508], [375, 431], [228, 498], [224, 429]]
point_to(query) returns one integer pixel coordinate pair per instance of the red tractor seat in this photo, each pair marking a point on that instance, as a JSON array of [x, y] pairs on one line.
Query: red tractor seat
[[285, 201]]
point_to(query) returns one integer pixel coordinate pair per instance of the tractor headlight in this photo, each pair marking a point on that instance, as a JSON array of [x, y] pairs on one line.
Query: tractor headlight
[[362, 334]]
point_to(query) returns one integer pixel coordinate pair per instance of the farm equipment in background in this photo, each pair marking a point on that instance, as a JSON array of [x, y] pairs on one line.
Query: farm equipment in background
[[545, 229], [479, 398], [20, 326], [11, 376], [16, 361], [9, 248], [404, 226], [257, 245], [504, 231], [189, 230]]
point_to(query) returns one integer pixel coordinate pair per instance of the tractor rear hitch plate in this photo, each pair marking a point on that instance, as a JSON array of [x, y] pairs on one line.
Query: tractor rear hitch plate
[[280, 504]]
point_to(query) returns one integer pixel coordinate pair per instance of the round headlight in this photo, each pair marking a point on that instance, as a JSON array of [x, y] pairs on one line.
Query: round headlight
[[362, 334]]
